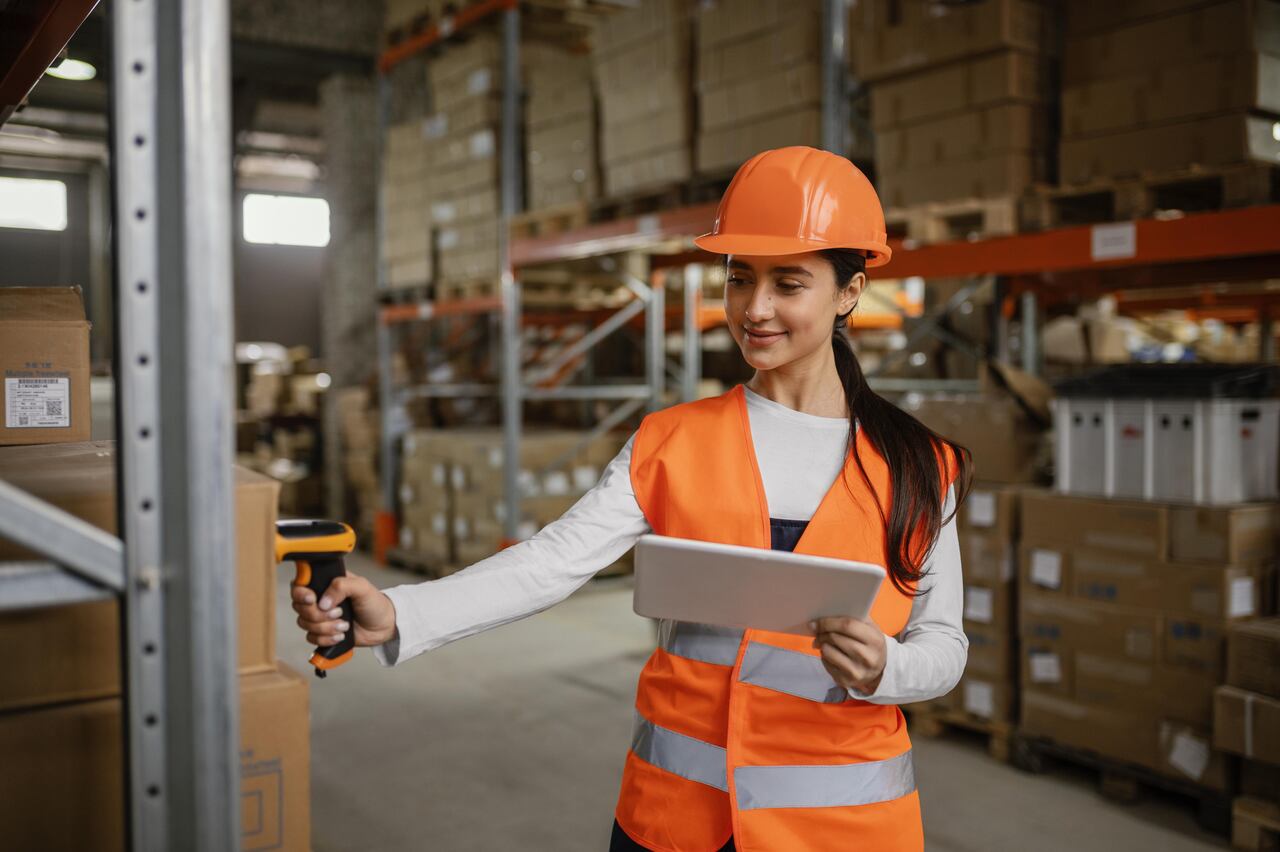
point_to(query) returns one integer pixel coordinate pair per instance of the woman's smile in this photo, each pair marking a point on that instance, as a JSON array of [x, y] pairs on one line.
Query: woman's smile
[[763, 337]]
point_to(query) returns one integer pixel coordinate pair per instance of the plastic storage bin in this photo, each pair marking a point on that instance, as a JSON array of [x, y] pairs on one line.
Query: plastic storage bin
[[1203, 434]]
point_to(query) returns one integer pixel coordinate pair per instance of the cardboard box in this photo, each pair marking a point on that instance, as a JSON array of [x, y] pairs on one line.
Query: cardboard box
[[71, 653], [1143, 688], [996, 176], [1170, 747], [991, 651], [1112, 631], [1233, 27], [891, 38], [1087, 16], [1260, 780], [964, 136], [990, 511], [727, 148], [69, 794], [995, 429], [1171, 93], [1225, 140], [748, 101], [1218, 592], [989, 604], [1120, 526], [1236, 534], [1009, 76], [985, 699], [987, 558], [44, 364], [761, 56], [1247, 724], [1253, 656]]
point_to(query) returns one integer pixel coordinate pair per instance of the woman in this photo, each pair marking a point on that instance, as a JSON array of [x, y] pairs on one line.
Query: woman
[[749, 739]]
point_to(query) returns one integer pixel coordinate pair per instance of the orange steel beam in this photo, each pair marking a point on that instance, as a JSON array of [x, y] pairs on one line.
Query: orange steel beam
[[392, 314], [415, 44], [632, 232], [1250, 231]]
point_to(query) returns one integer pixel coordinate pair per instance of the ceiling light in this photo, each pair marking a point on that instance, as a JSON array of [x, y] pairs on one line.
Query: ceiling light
[[72, 69]]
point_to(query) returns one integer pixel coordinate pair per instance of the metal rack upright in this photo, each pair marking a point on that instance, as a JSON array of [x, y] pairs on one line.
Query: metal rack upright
[[169, 566]]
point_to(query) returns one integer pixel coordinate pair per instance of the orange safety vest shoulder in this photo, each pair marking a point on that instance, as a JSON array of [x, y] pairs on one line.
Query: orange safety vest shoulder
[[744, 733]]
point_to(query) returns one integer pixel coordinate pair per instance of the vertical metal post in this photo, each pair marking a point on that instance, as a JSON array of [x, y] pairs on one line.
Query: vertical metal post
[[1030, 333], [1266, 337], [143, 650], [100, 294], [176, 374], [692, 365], [835, 102], [509, 372], [390, 418], [197, 375], [654, 333]]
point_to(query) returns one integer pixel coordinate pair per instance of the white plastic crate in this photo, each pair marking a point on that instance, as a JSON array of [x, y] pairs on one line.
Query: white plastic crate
[[1207, 451]]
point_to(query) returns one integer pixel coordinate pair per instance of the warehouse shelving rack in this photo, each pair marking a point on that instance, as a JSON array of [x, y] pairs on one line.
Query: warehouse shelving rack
[[169, 567], [516, 386]]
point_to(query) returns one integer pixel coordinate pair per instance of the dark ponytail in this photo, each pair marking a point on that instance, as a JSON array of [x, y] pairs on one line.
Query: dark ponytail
[[912, 452]]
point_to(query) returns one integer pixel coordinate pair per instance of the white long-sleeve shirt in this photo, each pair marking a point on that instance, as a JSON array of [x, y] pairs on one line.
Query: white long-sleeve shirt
[[799, 455]]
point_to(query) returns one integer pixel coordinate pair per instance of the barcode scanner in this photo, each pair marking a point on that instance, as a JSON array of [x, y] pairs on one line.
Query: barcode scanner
[[316, 548]]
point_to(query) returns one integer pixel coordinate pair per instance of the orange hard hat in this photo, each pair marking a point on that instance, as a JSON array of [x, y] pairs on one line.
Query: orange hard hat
[[793, 200]]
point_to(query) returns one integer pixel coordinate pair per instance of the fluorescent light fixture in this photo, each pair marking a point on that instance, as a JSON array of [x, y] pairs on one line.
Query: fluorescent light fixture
[[37, 205], [72, 69], [286, 220]]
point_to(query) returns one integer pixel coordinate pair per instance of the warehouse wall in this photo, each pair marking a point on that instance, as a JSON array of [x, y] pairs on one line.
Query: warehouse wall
[[278, 293], [49, 257]]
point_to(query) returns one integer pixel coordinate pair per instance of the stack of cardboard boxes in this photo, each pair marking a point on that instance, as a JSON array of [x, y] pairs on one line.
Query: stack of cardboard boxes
[[960, 96], [759, 79], [1157, 87], [406, 237], [561, 163], [1124, 612], [359, 431], [44, 364], [60, 705], [452, 487], [463, 160], [1246, 720], [642, 59]]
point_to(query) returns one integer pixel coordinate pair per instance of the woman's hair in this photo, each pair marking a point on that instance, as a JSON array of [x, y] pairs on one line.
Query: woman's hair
[[914, 453]]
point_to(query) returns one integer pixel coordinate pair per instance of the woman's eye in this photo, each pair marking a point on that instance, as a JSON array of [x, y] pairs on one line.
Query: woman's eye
[[788, 287], [736, 281]]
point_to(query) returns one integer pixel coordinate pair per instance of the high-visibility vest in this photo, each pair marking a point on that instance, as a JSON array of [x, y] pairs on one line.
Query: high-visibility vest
[[744, 733]]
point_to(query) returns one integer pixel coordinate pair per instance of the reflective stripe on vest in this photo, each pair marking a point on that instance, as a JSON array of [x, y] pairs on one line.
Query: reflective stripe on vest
[[680, 754], [824, 786], [702, 642], [792, 672]]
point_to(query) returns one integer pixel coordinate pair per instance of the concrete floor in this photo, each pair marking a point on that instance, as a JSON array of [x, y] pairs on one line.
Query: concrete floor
[[514, 739]]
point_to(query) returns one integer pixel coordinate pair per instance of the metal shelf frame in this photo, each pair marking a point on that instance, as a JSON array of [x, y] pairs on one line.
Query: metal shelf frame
[[631, 239], [168, 568]]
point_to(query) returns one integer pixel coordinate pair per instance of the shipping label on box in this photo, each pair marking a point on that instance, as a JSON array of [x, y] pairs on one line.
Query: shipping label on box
[[44, 364]]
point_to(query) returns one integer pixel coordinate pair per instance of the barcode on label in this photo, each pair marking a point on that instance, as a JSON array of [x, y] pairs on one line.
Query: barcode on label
[[53, 408]]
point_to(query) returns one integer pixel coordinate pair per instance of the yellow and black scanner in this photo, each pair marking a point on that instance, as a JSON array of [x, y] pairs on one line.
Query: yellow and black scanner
[[316, 548]]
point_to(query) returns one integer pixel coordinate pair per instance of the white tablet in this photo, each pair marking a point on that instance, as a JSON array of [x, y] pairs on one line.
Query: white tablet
[[748, 587]]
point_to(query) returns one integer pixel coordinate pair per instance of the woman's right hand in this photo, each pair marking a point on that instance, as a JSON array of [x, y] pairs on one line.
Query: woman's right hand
[[375, 614]]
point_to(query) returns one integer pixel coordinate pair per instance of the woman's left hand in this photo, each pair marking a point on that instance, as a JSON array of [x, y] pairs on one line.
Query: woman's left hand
[[853, 651]]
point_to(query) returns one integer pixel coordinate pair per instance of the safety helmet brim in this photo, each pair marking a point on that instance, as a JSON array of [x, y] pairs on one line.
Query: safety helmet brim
[[767, 245]]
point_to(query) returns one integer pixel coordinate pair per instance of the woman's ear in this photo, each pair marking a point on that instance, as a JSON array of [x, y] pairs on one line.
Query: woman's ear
[[847, 298]]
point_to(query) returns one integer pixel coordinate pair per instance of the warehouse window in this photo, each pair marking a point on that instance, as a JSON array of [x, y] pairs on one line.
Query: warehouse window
[[286, 220], [38, 205]]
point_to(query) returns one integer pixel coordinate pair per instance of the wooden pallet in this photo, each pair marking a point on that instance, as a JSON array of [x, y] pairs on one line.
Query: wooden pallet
[[931, 722], [549, 221], [1255, 825], [425, 564], [1150, 196], [640, 203], [947, 221], [405, 295], [1122, 782], [480, 288]]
